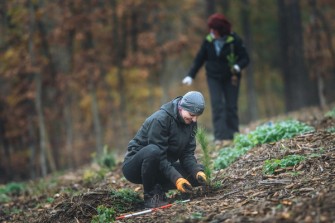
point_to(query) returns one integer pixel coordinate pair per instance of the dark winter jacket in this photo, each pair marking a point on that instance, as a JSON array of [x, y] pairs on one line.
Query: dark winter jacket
[[176, 140], [218, 66]]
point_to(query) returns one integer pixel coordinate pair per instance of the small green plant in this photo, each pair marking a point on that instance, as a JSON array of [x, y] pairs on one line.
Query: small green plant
[[127, 195], [206, 160], [11, 211], [106, 162], [50, 199], [11, 189], [331, 129], [273, 132], [196, 215], [106, 159], [331, 113], [44, 186], [227, 156], [267, 133], [217, 185], [171, 193], [279, 207], [232, 58], [124, 199], [92, 176], [105, 214], [291, 160], [4, 198], [312, 155], [14, 188]]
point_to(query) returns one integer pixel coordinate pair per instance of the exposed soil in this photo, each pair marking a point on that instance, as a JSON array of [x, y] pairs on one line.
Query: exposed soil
[[303, 193]]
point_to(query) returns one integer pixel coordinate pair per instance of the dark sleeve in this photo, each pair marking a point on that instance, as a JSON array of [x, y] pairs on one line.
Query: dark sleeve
[[158, 134], [241, 52], [198, 61]]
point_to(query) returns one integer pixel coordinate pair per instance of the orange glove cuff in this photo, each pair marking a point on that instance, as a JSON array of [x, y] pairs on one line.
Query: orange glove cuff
[[201, 177], [183, 185]]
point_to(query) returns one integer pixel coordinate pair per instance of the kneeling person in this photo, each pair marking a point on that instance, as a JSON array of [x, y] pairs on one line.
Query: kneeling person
[[161, 155]]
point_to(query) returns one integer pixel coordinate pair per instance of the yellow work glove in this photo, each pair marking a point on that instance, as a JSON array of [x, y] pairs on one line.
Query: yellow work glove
[[183, 185], [201, 178]]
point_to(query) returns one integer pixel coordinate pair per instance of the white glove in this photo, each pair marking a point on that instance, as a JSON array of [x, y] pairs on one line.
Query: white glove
[[187, 80], [236, 69]]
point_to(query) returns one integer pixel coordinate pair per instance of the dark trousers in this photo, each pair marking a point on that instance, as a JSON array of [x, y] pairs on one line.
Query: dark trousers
[[143, 168], [224, 97]]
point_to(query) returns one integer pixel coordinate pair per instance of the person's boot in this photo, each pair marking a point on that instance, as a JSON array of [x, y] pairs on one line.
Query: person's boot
[[155, 198]]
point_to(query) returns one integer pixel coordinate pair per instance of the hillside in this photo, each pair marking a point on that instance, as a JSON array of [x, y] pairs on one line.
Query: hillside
[[299, 193]]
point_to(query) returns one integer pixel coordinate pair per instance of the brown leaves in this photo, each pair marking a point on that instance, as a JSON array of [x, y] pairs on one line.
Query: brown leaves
[[151, 53]]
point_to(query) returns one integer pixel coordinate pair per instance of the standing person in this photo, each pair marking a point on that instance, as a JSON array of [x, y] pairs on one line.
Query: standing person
[[161, 155], [225, 57]]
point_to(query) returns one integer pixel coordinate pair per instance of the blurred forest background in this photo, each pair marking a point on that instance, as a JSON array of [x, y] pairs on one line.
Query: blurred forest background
[[79, 75]]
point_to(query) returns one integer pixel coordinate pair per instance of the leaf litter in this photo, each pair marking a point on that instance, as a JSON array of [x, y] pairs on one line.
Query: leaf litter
[[301, 193]]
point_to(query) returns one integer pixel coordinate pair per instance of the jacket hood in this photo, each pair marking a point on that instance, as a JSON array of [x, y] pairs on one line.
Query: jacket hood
[[172, 109]]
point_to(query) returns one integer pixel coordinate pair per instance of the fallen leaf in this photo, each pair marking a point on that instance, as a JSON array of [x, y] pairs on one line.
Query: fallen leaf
[[138, 189], [285, 215], [286, 202]]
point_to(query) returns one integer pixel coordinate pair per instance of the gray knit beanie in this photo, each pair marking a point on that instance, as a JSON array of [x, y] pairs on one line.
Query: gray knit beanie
[[193, 102]]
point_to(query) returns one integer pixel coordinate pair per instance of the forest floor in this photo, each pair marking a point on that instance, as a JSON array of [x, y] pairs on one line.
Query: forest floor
[[302, 193]]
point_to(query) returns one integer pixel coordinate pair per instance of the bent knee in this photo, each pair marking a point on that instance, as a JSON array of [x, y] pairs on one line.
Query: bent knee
[[152, 152]]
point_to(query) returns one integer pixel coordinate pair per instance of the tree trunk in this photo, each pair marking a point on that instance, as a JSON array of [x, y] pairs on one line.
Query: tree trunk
[[119, 53], [42, 130], [123, 108], [318, 47], [134, 30], [68, 95], [318, 15], [224, 6], [210, 9], [6, 157], [115, 34], [32, 148], [45, 149], [251, 93], [316, 61], [3, 22], [283, 46], [45, 152], [69, 135], [44, 43], [96, 120], [300, 91]]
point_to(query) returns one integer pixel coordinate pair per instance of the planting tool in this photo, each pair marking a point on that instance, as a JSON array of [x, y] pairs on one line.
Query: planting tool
[[148, 211]]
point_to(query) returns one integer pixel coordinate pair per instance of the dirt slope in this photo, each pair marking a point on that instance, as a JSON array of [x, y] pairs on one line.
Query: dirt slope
[[303, 193]]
